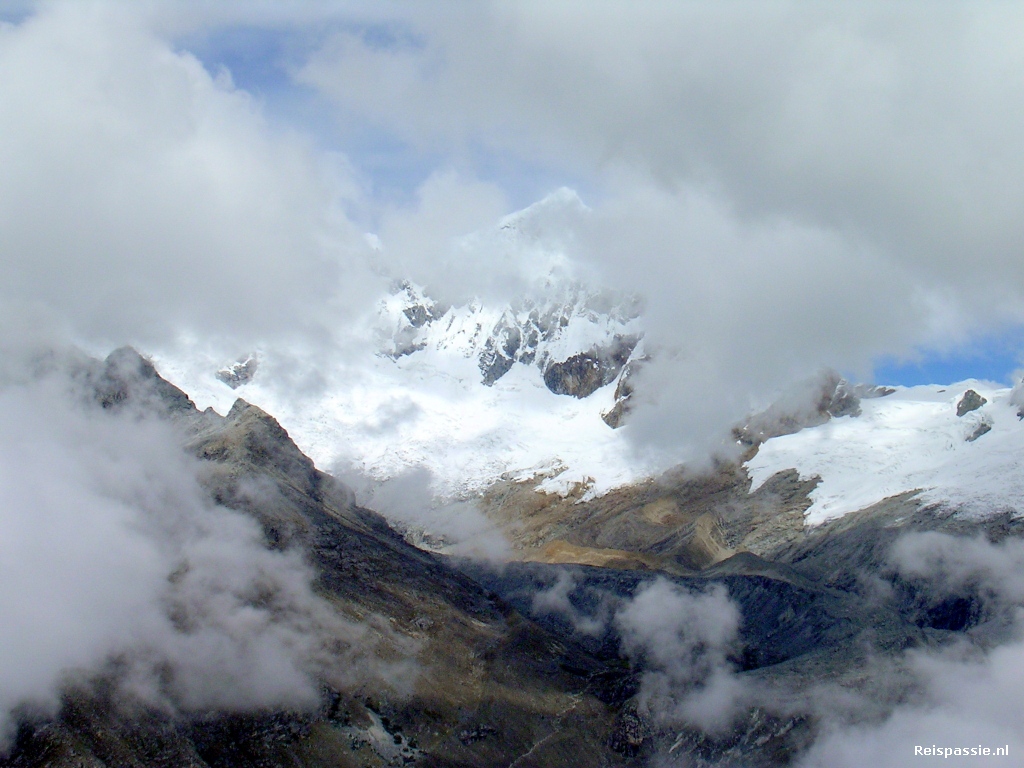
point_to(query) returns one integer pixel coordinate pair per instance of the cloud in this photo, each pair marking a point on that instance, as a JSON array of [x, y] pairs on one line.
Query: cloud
[[424, 241], [956, 565], [555, 599], [967, 700], [894, 123], [735, 310], [964, 693], [144, 198], [759, 177], [683, 640], [413, 504], [114, 561], [788, 187]]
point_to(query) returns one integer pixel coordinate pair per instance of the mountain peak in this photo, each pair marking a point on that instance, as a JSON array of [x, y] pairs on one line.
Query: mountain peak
[[128, 376]]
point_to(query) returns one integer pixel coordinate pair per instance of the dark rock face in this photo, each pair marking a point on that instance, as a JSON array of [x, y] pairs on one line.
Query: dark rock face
[[579, 376], [983, 428], [843, 400], [867, 391], [502, 682], [528, 332], [519, 337], [126, 375], [503, 349], [419, 312], [971, 401], [583, 374], [615, 416], [784, 616], [826, 398], [817, 604]]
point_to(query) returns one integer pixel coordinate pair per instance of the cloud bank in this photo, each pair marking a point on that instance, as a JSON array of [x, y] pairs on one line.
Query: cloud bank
[[683, 640], [965, 695], [787, 186], [146, 198]]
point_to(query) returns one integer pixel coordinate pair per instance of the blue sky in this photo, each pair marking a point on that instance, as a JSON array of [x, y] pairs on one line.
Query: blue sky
[[261, 61], [995, 358]]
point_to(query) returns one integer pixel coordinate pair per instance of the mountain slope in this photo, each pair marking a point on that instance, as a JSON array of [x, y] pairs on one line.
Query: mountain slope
[[696, 620], [463, 681]]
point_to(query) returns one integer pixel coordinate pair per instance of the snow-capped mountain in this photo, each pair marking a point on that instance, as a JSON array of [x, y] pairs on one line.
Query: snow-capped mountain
[[532, 382], [527, 381], [468, 393], [474, 394]]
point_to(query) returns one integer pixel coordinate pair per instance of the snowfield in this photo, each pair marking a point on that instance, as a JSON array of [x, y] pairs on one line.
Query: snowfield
[[911, 440], [384, 414], [388, 416]]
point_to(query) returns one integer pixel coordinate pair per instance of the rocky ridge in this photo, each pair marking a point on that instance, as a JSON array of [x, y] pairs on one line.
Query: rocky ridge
[[487, 685]]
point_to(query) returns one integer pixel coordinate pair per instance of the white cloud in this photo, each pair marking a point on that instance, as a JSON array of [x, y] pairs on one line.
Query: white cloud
[[554, 600], [892, 127], [897, 125], [683, 639], [788, 186], [966, 695], [422, 241], [142, 197], [411, 502]]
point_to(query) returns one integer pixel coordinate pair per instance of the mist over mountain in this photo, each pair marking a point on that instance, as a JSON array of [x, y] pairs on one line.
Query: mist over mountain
[[212, 598], [467, 386]]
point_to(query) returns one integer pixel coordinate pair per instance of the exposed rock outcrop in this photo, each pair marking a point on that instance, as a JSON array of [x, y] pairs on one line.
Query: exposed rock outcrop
[[578, 339], [583, 374], [818, 400], [615, 416], [971, 401], [983, 428], [240, 372], [127, 376]]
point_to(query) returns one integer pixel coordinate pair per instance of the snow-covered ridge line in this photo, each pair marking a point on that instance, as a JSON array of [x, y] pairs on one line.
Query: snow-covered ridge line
[[911, 440], [420, 395], [469, 392]]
